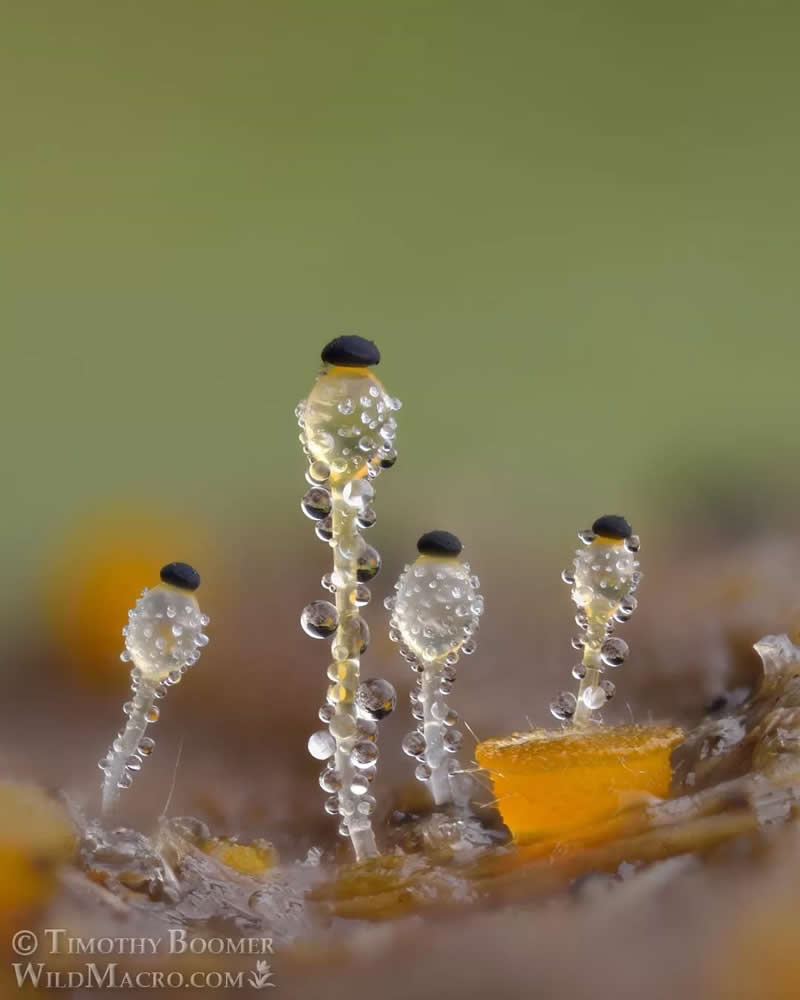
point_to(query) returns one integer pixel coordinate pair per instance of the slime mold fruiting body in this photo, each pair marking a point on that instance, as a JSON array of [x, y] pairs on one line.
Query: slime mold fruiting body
[[435, 614], [163, 638], [347, 432], [604, 576]]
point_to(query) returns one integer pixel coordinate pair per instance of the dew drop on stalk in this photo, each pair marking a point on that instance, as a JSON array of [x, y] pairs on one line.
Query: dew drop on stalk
[[319, 619]]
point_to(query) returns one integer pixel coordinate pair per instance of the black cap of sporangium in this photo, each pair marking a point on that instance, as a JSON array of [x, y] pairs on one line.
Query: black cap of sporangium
[[181, 575], [612, 526], [351, 352], [439, 543]]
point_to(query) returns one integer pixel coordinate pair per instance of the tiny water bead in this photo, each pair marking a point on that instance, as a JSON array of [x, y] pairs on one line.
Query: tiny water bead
[[614, 652], [321, 745], [603, 577], [368, 564], [366, 517], [319, 619], [594, 697], [324, 529], [364, 754], [563, 707], [319, 472], [316, 503], [163, 639], [414, 744], [435, 613], [452, 741], [358, 493], [375, 699]]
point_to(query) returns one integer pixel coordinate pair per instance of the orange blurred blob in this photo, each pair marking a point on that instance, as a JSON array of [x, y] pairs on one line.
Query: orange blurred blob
[[95, 579], [248, 859], [36, 836], [550, 783]]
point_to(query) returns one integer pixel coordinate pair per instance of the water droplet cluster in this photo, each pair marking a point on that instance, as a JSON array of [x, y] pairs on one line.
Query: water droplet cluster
[[604, 577], [347, 430], [435, 614], [163, 639]]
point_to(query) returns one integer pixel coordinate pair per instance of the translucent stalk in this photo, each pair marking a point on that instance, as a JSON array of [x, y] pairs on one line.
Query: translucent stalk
[[434, 731], [347, 646], [595, 635], [128, 743]]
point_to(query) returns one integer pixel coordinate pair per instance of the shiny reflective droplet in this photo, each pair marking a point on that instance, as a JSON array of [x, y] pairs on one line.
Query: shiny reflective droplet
[[453, 740], [368, 563], [362, 595], [614, 652], [413, 744], [375, 699], [330, 780], [363, 630], [319, 472], [579, 671], [332, 806], [326, 713], [324, 529], [366, 729], [366, 517], [563, 707], [469, 647], [366, 807], [153, 714], [568, 576], [609, 687], [422, 772], [321, 745], [632, 543], [146, 745], [358, 493], [364, 754], [360, 783], [319, 619], [594, 697], [316, 503], [587, 537]]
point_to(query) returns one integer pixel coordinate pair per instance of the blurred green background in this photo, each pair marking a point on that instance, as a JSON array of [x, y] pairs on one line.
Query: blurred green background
[[572, 228]]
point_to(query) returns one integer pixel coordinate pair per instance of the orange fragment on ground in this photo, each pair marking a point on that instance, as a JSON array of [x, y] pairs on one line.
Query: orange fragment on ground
[[549, 783], [247, 859]]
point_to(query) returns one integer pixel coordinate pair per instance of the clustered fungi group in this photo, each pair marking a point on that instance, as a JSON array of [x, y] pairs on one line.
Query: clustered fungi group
[[604, 577], [347, 431]]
